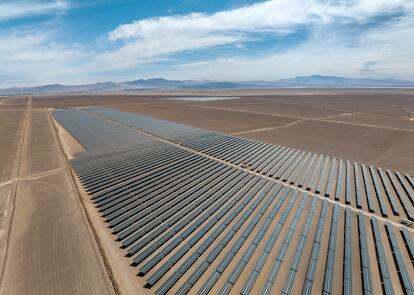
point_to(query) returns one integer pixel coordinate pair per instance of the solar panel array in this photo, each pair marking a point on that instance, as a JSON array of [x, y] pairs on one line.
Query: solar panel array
[[221, 214], [96, 134], [379, 192]]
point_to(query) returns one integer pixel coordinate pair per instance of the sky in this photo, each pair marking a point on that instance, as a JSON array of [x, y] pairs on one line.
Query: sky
[[77, 42]]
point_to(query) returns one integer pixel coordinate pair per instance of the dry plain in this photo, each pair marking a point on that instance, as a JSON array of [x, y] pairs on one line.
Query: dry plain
[[48, 246], [368, 126], [51, 244]]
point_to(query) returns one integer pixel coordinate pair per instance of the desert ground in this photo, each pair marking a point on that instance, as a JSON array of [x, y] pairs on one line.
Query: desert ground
[[48, 247], [55, 241], [368, 126]]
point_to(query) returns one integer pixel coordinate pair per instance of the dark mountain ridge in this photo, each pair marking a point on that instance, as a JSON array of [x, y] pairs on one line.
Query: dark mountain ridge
[[313, 81]]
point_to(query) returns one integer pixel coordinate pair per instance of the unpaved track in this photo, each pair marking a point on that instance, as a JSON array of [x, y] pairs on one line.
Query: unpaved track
[[12, 132], [327, 119], [51, 249]]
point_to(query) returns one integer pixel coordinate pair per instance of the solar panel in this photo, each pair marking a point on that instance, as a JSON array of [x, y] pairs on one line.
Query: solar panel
[[272, 239], [218, 149], [237, 245], [269, 165], [275, 171], [399, 260], [293, 166], [368, 189], [272, 160], [338, 191], [401, 196], [307, 171], [268, 157], [358, 190], [235, 154], [249, 283], [299, 248], [364, 256], [257, 154], [381, 258], [186, 221], [330, 179], [378, 191], [282, 251], [330, 261], [347, 274], [408, 243], [410, 180], [348, 192], [195, 276], [321, 180], [300, 168], [389, 192], [314, 174], [223, 151]]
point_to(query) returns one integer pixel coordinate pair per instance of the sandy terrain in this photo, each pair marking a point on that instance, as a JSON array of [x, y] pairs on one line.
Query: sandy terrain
[[11, 123], [370, 126], [349, 142], [222, 120], [51, 249], [12, 134]]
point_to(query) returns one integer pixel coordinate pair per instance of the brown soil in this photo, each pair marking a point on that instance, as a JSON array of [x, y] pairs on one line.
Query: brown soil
[[50, 248]]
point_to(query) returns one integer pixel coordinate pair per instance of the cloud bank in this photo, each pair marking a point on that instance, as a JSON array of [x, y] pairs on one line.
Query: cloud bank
[[357, 38], [19, 9]]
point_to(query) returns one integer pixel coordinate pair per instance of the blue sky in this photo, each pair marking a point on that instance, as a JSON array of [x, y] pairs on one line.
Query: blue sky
[[73, 41]]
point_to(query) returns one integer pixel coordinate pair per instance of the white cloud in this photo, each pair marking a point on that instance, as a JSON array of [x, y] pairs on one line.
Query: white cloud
[[276, 15], [388, 51], [154, 37], [145, 48], [135, 53], [18, 9], [32, 57]]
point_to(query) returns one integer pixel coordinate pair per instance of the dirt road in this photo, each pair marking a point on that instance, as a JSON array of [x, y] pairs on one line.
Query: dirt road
[[51, 249]]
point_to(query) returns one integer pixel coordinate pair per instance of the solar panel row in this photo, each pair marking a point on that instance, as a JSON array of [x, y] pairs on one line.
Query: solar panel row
[[399, 261], [277, 263], [282, 162], [385, 278], [314, 174], [100, 135], [314, 256], [288, 166], [347, 266], [287, 289], [247, 256], [364, 256], [330, 261]]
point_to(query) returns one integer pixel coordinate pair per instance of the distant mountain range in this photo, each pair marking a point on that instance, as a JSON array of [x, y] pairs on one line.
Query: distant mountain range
[[314, 81]]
